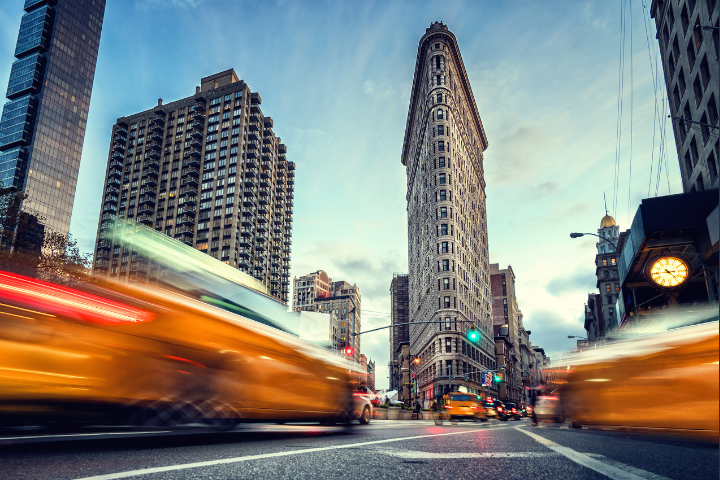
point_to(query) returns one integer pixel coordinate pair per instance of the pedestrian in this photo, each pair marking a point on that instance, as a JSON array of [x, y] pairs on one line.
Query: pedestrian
[[533, 400]]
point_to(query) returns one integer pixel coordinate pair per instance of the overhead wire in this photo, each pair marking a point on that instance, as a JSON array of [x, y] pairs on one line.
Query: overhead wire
[[632, 94], [618, 125]]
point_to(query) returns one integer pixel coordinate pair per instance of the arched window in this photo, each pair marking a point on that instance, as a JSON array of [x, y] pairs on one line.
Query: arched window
[[437, 62]]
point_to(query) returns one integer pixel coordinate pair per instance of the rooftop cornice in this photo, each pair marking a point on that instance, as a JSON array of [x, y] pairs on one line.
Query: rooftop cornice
[[430, 36]]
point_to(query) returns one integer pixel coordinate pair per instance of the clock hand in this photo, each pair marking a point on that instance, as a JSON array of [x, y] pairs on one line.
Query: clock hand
[[668, 271]]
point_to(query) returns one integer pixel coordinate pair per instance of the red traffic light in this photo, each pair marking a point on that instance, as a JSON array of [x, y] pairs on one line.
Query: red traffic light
[[348, 351]]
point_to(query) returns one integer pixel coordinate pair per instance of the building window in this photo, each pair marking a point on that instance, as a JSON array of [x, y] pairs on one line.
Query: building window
[[607, 287], [443, 195], [443, 212], [441, 146], [617, 287], [439, 98], [440, 114], [446, 265], [441, 130], [442, 177], [604, 262], [448, 345], [612, 261], [443, 229], [441, 162], [446, 284], [446, 302], [444, 247]]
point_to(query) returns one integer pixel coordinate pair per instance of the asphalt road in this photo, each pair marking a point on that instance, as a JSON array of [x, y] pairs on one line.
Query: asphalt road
[[383, 449]]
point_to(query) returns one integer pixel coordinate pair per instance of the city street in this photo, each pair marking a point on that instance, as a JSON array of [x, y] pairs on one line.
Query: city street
[[383, 449]]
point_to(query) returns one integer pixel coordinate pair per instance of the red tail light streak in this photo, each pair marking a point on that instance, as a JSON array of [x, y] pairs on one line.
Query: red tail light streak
[[67, 301]]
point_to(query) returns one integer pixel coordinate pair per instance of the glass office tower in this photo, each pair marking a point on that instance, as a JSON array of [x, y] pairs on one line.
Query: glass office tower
[[42, 127]]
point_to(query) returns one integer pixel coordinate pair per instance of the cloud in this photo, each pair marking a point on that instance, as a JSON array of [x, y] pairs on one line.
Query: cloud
[[148, 4], [581, 280], [550, 330]]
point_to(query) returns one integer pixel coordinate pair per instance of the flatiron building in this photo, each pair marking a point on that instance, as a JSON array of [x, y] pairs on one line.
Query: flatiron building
[[448, 280]]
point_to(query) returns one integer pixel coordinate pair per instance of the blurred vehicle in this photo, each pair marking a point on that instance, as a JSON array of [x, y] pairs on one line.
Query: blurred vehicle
[[491, 409], [512, 411], [502, 413], [203, 344], [362, 405], [548, 407], [665, 381], [459, 406]]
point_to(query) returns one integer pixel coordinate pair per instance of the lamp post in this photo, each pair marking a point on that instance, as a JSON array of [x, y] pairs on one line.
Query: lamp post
[[578, 235]]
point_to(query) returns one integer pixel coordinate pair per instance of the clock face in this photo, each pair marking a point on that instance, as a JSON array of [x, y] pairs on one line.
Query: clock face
[[669, 271]]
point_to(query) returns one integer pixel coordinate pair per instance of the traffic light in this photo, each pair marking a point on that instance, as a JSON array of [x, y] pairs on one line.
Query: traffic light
[[473, 334], [498, 377], [417, 360], [349, 351]]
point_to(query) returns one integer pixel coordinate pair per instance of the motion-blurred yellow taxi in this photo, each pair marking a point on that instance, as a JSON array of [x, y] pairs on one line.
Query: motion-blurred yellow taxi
[[664, 381]]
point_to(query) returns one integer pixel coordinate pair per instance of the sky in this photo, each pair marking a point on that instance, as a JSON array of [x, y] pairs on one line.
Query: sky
[[336, 78]]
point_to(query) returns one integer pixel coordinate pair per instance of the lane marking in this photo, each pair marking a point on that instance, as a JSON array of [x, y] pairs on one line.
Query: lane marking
[[210, 463], [410, 454], [451, 455], [618, 471], [84, 435]]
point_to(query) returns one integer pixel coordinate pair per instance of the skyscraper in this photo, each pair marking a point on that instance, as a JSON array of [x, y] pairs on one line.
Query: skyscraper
[[209, 171], [399, 312], [447, 231], [43, 124], [688, 39]]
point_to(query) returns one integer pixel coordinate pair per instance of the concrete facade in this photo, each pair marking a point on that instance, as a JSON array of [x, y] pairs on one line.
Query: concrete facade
[[208, 171], [689, 55], [316, 292]]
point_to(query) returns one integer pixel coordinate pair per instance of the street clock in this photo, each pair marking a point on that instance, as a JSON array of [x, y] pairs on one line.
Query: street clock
[[668, 271]]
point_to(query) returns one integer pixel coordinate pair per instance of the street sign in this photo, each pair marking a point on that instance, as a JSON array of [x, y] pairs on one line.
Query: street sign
[[413, 375], [486, 379]]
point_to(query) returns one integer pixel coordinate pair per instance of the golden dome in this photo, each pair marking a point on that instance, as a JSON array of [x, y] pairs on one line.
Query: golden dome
[[607, 221]]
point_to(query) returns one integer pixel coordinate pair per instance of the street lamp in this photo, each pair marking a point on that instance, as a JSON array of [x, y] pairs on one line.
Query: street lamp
[[578, 235]]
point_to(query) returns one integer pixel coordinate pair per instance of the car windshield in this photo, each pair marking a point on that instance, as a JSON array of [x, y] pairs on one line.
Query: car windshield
[[463, 398]]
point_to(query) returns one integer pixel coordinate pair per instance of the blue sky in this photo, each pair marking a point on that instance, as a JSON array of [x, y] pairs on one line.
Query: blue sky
[[336, 79]]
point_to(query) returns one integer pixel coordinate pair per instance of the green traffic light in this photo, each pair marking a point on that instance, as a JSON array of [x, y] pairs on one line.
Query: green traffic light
[[473, 334]]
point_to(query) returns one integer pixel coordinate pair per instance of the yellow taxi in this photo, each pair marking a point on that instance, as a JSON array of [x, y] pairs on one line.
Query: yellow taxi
[[151, 356], [665, 381], [459, 406]]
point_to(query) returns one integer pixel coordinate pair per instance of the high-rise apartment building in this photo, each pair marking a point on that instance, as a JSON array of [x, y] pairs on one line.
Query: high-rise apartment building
[[399, 313], [209, 171], [42, 127], [447, 231], [689, 51], [316, 292]]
